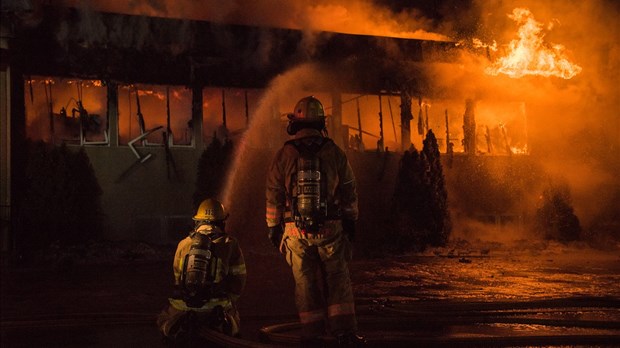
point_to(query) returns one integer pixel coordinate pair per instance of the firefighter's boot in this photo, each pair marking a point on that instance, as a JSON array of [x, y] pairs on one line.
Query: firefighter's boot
[[351, 340]]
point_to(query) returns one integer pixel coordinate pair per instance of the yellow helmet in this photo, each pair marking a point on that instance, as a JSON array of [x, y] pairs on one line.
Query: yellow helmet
[[308, 109], [210, 210]]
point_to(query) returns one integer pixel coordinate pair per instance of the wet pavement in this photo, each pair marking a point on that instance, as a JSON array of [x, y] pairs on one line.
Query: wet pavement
[[522, 270], [488, 294]]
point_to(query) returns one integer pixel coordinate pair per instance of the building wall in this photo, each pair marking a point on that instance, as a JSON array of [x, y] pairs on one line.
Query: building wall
[[145, 201]]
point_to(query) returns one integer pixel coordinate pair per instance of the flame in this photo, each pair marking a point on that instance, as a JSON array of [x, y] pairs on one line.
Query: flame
[[530, 55], [52, 81], [42, 81], [86, 83], [148, 92], [479, 44], [519, 150]]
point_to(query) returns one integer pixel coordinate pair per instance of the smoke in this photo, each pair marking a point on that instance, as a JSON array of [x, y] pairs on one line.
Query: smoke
[[267, 121], [90, 29], [472, 230], [353, 17], [573, 125]]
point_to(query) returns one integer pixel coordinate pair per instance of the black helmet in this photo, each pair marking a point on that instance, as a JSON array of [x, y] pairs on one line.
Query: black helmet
[[308, 113]]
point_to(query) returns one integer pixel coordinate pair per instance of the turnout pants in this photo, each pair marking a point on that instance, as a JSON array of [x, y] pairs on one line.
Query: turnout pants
[[174, 323], [323, 293]]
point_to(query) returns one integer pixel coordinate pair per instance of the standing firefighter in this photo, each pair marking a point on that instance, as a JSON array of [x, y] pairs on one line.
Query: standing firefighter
[[209, 275], [311, 213]]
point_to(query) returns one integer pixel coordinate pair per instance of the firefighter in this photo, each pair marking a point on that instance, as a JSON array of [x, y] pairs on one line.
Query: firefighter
[[311, 211], [209, 276]]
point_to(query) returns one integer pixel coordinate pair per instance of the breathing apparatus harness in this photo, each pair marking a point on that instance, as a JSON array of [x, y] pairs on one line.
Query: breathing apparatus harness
[[309, 197], [200, 269]]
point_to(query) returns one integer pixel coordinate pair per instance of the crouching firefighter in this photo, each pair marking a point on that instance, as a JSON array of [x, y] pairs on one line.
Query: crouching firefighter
[[209, 276], [311, 211]]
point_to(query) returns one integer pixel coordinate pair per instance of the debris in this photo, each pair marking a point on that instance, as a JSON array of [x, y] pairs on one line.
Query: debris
[[464, 260]]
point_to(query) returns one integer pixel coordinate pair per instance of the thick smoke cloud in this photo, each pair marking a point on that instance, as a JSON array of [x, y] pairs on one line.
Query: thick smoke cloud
[[573, 125]]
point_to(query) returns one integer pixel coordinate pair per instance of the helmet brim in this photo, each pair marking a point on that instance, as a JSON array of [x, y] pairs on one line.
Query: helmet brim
[[210, 220], [291, 117]]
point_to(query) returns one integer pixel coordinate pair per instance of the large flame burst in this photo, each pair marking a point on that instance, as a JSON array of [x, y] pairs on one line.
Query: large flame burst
[[530, 55]]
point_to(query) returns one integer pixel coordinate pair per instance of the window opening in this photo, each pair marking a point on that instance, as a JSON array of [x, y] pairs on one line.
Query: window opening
[[72, 111], [227, 111], [154, 115]]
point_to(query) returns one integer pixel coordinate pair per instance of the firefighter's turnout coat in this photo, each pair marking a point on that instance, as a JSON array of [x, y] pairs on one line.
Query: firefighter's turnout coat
[[321, 258], [229, 281]]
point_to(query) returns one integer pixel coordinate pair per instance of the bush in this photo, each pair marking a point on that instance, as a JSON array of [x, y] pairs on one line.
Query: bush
[[62, 199], [555, 217]]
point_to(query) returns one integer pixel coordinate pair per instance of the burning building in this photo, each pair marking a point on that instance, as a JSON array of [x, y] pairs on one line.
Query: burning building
[[141, 94], [145, 94]]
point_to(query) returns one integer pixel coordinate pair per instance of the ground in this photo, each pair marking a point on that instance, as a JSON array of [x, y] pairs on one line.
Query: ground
[[539, 292]]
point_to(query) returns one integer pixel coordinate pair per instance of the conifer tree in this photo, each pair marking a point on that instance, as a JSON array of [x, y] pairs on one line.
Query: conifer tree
[[212, 169], [438, 218], [421, 216], [407, 201]]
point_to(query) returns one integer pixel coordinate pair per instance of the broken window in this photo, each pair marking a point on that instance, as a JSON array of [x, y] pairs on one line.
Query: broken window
[[502, 128], [227, 111], [360, 114], [155, 115], [62, 110]]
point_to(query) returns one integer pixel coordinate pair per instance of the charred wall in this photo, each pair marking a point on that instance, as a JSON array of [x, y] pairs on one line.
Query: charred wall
[[68, 42]]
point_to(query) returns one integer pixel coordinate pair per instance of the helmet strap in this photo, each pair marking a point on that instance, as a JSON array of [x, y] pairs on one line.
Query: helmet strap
[[291, 129], [221, 224]]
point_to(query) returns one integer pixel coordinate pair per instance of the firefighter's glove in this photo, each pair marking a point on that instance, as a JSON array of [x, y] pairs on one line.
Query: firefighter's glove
[[275, 235], [348, 228]]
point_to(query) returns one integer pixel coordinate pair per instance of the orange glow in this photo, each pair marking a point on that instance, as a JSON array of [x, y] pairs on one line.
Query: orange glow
[[530, 54]]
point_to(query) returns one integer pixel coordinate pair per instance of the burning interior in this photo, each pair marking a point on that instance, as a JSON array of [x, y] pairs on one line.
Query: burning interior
[[498, 128]]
